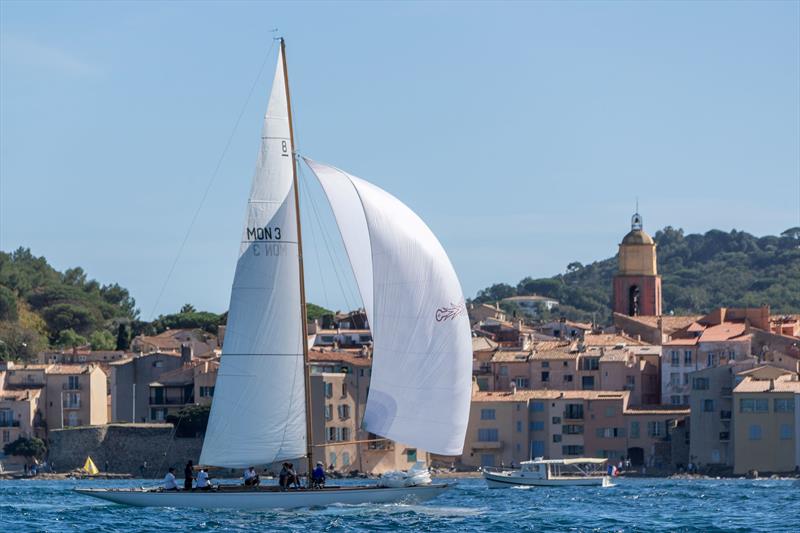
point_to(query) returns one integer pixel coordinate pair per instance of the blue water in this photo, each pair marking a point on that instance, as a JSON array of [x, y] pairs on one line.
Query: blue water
[[633, 505]]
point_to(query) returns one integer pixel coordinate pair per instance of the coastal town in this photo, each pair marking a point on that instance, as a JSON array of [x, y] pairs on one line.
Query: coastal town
[[657, 393]]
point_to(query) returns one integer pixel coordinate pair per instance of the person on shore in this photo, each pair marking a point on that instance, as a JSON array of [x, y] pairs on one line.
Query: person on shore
[[251, 478], [188, 475], [318, 476], [203, 483], [283, 477], [170, 483]]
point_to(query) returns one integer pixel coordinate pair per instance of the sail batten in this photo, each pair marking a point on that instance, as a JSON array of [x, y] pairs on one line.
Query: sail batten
[[422, 354], [258, 413]]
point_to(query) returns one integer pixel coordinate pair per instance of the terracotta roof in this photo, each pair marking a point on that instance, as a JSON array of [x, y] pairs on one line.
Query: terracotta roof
[[19, 394], [503, 356], [656, 410], [722, 332], [695, 327], [690, 341], [610, 339], [351, 357], [786, 383], [482, 344], [69, 369], [669, 323], [523, 395], [765, 372]]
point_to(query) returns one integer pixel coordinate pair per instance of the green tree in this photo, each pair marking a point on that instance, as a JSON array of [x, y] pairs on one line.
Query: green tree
[[190, 421], [8, 304], [102, 340], [30, 448], [123, 337], [187, 308], [69, 339], [315, 312]]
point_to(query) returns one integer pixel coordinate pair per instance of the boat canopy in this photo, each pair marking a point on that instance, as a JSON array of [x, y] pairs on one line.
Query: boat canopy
[[579, 461]]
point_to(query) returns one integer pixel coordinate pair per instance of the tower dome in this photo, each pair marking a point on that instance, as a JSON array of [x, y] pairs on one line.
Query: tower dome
[[637, 285]]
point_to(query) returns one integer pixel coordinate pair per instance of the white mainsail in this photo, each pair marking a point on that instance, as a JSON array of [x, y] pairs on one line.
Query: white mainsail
[[422, 364], [258, 413]]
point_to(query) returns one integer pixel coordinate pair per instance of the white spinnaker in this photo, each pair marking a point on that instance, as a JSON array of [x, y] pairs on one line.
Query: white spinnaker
[[422, 361], [258, 412]]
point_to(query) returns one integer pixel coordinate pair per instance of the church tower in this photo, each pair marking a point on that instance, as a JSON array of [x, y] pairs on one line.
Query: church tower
[[637, 285]]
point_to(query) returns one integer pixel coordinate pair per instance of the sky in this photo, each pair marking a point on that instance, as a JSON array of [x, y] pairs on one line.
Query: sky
[[522, 133]]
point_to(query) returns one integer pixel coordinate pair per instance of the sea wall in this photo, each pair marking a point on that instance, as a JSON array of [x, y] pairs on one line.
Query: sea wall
[[124, 447]]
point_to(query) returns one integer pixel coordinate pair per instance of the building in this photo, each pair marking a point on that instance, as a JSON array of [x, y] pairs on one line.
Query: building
[[20, 415], [480, 312], [202, 343], [711, 405], [766, 419], [339, 385], [700, 345], [130, 384], [637, 285], [531, 305], [506, 427], [191, 384]]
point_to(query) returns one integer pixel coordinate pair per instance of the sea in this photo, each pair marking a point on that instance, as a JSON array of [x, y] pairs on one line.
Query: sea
[[646, 505]]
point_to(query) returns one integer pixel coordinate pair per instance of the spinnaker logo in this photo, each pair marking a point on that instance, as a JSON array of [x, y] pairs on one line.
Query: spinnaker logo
[[450, 312], [264, 234]]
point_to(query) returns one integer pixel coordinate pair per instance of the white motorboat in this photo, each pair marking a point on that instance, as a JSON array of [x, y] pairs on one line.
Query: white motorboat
[[421, 381], [551, 473]]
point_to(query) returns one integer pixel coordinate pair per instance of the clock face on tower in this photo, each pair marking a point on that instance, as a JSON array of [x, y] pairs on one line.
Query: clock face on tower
[[636, 221]]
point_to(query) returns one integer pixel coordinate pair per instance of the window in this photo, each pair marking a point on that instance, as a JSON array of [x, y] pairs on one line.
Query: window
[[750, 405], [685, 379], [537, 448], [557, 437], [329, 390], [537, 425], [332, 459], [503, 370], [587, 382], [572, 450], [519, 426], [206, 392], [345, 459], [675, 358], [687, 357], [487, 459], [545, 377], [754, 432], [610, 433], [345, 434], [487, 414], [411, 455], [573, 410], [700, 383], [545, 364], [590, 363], [556, 420], [328, 412], [344, 412], [567, 378], [572, 429], [522, 383], [656, 428], [487, 435], [344, 389], [711, 359], [634, 430], [786, 431], [6, 436], [674, 379], [685, 399], [72, 382], [630, 382], [332, 434], [784, 405], [537, 407], [675, 400], [708, 406]]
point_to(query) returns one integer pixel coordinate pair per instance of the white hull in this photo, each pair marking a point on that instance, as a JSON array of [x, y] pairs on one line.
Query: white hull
[[267, 499], [497, 480]]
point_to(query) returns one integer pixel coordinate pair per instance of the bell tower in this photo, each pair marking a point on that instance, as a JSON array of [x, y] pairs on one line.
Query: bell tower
[[637, 285]]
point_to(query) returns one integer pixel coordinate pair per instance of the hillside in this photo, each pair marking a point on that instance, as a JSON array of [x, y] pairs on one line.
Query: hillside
[[42, 308], [699, 273]]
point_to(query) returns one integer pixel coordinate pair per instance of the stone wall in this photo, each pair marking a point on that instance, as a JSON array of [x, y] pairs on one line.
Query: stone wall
[[125, 446]]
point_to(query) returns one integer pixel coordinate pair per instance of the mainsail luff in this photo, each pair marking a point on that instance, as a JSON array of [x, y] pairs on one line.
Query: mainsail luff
[[258, 415]]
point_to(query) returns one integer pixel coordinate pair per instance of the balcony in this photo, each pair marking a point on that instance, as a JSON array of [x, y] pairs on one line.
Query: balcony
[[167, 401], [724, 435], [71, 405], [71, 386], [725, 415], [487, 445], [9, 423]]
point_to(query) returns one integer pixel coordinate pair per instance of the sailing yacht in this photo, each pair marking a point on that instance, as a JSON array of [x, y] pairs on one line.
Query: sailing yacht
[[420, 386]]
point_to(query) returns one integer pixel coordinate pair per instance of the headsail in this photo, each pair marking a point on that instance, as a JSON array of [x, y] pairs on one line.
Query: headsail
[[422, 364], [258, 414]]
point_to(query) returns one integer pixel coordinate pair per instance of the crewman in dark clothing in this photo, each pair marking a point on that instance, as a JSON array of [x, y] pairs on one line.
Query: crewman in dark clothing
[[188, 475]]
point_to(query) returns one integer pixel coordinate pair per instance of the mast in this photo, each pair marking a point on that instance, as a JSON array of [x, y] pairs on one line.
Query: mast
[[303, 322]]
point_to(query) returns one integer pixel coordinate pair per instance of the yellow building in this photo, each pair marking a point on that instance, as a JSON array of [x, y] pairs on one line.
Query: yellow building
[[766, 421]]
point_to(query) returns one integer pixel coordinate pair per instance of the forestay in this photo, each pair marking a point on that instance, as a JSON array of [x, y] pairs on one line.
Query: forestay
[[258, 413], [422, 364]]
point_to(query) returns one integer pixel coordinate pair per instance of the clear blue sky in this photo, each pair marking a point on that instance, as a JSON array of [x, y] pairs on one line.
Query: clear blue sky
[[522, 133]]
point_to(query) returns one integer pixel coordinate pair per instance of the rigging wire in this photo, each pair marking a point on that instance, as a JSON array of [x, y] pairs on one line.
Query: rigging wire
[[336, 267], [306, 194], [211, 180]]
